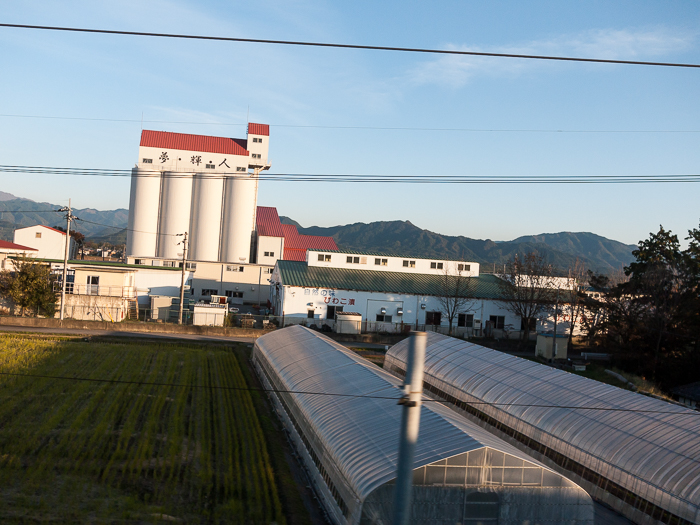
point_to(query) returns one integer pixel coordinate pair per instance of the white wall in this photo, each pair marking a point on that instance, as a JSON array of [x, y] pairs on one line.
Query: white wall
[[393, 263], [294, 302], [49, 243], [270, 245]]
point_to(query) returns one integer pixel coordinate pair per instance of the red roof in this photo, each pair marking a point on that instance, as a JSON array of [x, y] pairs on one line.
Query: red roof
[[187, 142], [295, 245], [268, 222], [7, 245], [50, 228], [258, 129]]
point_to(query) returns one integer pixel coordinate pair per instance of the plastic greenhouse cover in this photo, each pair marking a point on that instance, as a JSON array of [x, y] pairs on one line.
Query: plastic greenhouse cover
[[360, 434], [661, 449]]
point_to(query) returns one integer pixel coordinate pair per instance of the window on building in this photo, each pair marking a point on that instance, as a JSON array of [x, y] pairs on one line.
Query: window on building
[[231, 293], [382, 318], [170, 264], [269, 254], [139, 261], [324, 257], [436, 265], [206, 292], [466, 320], [433, 318], [381, 262], [332, 311], [211, 166], [241, 168], [310, 314], [498, 321], [409, 264], [463, 267], [268, 270], [191, 266], [256, 139], [37, 235], [257, 156], [147, 161], [353, 260], [93, 285]]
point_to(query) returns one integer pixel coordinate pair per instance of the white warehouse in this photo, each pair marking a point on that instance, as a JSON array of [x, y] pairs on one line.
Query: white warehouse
[[196, 184]]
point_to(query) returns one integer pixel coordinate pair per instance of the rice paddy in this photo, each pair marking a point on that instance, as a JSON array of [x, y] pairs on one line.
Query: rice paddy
[[172, 435]]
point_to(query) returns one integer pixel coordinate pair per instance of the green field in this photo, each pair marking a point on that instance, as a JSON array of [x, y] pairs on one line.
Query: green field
[[190, 449]]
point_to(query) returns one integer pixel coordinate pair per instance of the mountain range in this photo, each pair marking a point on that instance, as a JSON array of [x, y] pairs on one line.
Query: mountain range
[[404, 238], [391, 237]]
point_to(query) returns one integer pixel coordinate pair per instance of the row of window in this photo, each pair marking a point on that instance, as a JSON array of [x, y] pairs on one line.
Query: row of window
[[380, 261], [563, 461], [168, 264], [208, 292], [269, 254], [257, 139]]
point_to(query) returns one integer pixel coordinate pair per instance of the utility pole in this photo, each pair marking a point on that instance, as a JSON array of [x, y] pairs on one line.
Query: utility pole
[[69, 217], [556, 311], [182, 281], [410, 423]]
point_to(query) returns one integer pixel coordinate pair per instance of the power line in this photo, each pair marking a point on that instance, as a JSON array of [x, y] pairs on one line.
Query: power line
[[350, 46], [368, 178], [378, 128], [332, 394]]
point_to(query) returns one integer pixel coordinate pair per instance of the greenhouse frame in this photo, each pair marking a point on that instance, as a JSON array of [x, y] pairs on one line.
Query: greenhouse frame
[[637, 454], [342, 417]]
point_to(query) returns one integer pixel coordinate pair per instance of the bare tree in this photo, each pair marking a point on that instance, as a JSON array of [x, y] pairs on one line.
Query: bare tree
[[526, 289], [572, 296], [456, 295]]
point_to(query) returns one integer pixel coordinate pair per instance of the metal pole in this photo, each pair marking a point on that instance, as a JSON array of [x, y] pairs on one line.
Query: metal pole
[[182, 281], [410, 423], [69, 216], [554, 343]]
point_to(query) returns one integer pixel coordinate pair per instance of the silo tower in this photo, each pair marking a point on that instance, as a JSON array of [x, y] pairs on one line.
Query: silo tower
[[200, 184]]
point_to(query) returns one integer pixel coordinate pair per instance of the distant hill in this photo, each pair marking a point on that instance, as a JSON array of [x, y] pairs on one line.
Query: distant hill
[[287, 220], [4, 196], [18, 213], [396, 237], [402, 237]]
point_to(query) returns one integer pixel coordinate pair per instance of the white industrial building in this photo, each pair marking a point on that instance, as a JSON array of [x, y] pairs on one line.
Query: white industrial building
[[207, 186], [196, 184], [392, 293], [48, 242]]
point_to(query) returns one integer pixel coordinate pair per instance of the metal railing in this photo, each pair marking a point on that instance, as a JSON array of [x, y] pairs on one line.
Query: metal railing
[[128, 292]]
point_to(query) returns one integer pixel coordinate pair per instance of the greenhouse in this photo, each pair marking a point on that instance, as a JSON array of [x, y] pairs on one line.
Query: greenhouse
[[342, 417], [638, 454]]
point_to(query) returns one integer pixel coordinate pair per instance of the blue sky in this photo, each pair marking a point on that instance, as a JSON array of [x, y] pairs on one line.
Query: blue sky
[[320, 103]]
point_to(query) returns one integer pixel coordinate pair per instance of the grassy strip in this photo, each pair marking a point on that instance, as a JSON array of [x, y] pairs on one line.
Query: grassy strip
[[290, 497]]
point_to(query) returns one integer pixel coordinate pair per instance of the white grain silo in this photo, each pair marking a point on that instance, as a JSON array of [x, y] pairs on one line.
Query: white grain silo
[[143, 213], [175, 202], [239, 218], [205, 225], [179, 186]]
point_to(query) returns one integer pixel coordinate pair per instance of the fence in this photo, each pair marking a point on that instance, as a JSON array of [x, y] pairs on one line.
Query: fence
[[127, 292]]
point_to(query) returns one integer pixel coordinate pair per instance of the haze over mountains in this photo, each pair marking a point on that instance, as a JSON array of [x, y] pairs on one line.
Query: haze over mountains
[[396, 237]]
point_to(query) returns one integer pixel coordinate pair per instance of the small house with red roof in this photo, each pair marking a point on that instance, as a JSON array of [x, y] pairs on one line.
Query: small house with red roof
[[10, 249], [48, 243]]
